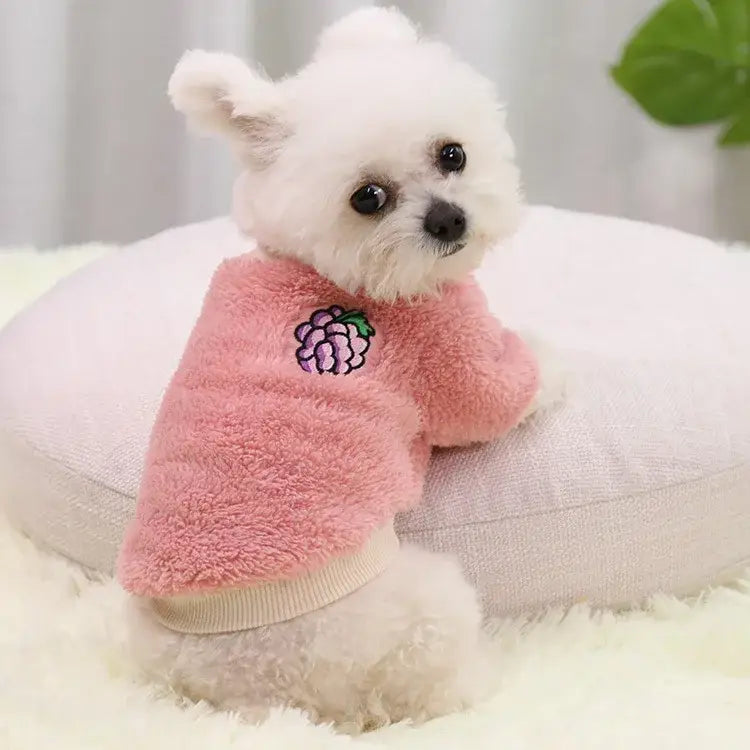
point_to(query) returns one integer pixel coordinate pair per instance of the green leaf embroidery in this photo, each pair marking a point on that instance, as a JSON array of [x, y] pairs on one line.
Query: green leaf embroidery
[[358, 319], [689, 63]]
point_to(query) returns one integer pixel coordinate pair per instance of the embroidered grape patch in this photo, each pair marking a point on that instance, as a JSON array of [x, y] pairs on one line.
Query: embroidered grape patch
[[333, 340]]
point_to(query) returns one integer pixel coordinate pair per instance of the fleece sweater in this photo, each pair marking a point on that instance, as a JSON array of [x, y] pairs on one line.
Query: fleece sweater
[[299, 421]]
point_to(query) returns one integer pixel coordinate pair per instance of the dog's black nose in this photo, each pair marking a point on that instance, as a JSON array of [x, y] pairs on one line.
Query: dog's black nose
[[445, 221]]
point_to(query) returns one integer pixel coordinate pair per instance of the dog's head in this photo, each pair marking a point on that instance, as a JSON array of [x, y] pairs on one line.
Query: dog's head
[[384, 163]]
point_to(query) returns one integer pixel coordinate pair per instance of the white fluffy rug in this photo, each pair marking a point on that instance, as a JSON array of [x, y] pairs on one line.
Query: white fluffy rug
[[675, 675]]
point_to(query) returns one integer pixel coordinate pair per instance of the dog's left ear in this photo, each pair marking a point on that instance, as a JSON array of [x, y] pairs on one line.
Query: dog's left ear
[[220, 93], [368, 27]]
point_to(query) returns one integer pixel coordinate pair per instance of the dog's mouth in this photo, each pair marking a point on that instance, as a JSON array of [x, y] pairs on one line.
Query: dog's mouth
[[446, 249]]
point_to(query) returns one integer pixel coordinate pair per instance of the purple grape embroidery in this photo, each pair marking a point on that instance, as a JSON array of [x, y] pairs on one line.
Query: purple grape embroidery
[[333, 340]]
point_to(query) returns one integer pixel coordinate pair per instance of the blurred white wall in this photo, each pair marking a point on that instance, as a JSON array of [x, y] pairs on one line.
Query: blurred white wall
[[90, 149]]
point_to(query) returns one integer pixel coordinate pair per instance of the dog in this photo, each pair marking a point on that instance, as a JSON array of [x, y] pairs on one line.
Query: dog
[[374, 181]]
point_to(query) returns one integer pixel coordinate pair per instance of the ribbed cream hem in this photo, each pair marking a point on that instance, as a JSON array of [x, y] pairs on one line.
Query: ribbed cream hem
[[231, 610]]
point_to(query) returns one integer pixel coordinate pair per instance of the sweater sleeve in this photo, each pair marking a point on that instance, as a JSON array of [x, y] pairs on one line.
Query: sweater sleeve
[[477, 378]]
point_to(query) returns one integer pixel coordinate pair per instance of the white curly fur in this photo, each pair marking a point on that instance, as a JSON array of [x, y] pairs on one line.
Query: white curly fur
[[555, 378], [374, 111], [375, 105], [375, 27], [407, 645]]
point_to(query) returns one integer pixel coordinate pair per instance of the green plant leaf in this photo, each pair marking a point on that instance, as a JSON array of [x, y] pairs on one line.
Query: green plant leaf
[[359, 320], [689, 62], [681, 88], [717, 29], [738, 131]]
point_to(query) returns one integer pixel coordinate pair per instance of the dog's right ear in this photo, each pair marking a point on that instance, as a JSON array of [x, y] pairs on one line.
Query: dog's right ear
[[220, 93], [372, 27]]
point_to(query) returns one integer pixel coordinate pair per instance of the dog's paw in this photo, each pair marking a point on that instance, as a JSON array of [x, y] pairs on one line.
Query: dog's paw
[[554, 376]]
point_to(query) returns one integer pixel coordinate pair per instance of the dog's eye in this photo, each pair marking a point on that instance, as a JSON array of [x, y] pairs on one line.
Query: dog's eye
[[452, 158], [368, 199]]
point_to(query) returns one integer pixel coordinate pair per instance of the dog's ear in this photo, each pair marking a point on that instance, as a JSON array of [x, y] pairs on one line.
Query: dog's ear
[[220, 93], [368, 27]]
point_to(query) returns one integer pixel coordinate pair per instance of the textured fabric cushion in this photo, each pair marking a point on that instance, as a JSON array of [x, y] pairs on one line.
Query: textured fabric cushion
[[639, 483]]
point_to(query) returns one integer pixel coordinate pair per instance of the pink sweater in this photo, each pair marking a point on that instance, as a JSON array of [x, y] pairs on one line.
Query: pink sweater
[[301, 419]]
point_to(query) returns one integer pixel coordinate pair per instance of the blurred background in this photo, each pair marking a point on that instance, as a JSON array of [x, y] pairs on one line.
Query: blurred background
[[91, 150]]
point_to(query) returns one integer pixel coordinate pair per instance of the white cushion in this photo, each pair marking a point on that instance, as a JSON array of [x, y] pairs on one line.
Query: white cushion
[[640, 483]]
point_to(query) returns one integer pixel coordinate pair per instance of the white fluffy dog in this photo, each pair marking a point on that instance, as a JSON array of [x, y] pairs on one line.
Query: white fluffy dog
[[341, 163], [372, 108]]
